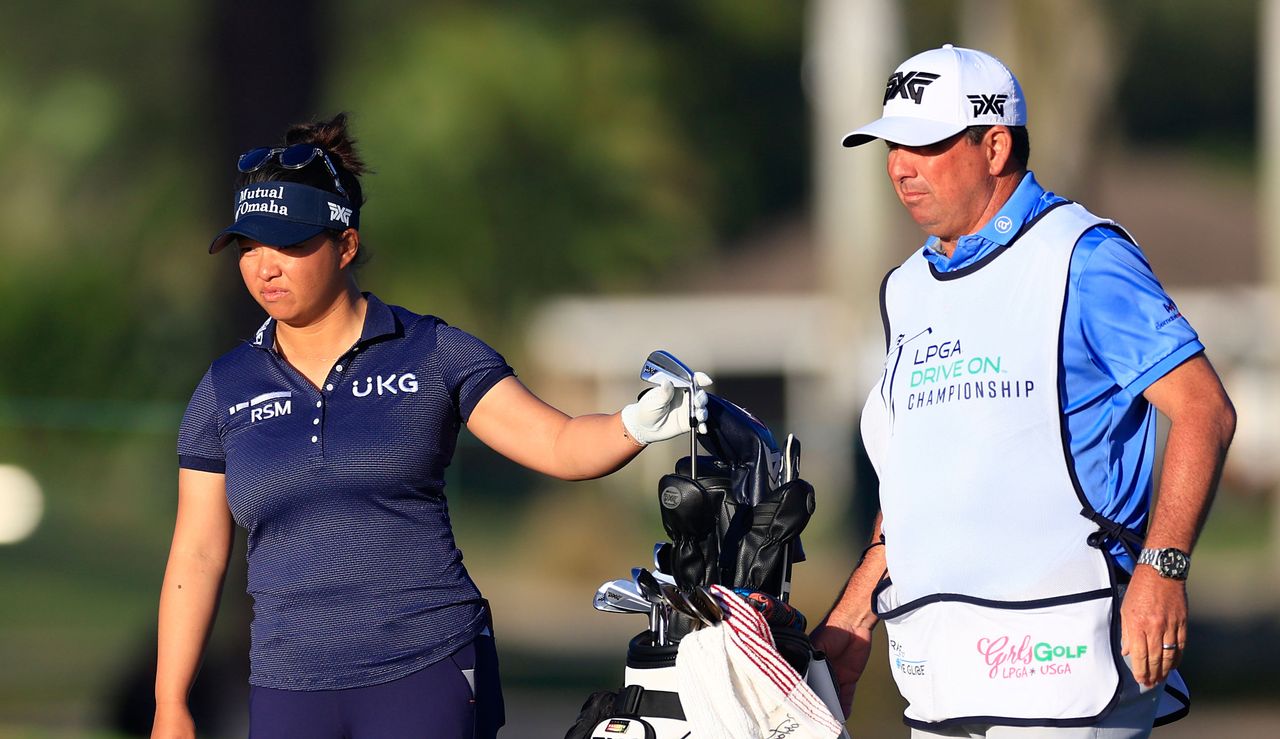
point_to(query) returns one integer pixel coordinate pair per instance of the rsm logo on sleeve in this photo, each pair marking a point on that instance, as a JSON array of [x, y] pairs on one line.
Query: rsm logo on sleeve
[[266, 406]]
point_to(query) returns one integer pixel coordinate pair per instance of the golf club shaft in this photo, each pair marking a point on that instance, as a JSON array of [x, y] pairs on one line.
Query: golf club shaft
[[693, 430]]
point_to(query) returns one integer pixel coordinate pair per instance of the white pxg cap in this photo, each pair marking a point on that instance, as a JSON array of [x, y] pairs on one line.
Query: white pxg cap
[[938, 93]]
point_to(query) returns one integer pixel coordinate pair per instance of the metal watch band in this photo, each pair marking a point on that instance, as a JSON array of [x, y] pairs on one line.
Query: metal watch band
[[1169, 562]]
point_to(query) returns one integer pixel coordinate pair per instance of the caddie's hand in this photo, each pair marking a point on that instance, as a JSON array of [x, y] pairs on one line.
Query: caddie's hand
[[847, 652], [662, 412], [1153, 617]]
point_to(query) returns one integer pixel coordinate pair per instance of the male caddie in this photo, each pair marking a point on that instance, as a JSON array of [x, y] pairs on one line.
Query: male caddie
[[1026, 585]]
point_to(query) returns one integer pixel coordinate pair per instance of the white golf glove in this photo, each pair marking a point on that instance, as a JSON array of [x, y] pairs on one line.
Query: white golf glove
[[663, 412]]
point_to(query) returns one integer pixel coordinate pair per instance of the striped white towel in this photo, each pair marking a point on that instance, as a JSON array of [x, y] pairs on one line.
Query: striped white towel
[[711, 706], [734, 685]]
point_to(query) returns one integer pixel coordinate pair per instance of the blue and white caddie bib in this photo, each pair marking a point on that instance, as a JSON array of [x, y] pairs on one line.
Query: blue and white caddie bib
[[998, 609]]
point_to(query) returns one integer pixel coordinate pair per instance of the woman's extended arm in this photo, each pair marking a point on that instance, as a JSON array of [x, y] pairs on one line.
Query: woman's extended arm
[[520, 426], [189, 595]]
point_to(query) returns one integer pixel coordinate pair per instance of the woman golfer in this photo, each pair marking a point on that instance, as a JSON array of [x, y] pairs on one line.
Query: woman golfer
[[326, 437]]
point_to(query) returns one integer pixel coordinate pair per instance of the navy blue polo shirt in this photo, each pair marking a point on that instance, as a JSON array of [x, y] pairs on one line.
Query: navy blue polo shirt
[[353, 568]]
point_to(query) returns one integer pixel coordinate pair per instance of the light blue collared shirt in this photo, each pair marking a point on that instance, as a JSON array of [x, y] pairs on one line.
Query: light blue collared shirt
[[1121, 332]]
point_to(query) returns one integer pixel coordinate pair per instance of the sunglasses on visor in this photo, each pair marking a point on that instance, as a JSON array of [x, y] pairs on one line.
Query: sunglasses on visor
[[290, 157]]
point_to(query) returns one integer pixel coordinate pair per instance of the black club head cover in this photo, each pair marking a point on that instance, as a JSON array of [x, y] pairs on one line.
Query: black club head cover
[[796, 503], [689, 513], [775, 522]]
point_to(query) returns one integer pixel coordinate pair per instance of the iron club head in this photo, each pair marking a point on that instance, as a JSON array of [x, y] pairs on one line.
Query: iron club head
[[663, 365], [620, 596]]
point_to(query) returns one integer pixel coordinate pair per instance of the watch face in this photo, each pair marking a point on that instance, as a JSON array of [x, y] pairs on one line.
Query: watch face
[[1172, 563]]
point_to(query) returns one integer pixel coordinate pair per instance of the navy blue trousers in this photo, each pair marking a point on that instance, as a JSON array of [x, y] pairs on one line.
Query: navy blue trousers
[[438, 701]]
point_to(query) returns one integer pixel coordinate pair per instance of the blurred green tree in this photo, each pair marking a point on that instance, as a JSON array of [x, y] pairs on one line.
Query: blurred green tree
[[526, 149], [100, 198], [522, 149], [516, 158]]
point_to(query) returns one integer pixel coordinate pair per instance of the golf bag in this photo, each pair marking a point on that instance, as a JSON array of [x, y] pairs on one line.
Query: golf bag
[[736, 524]]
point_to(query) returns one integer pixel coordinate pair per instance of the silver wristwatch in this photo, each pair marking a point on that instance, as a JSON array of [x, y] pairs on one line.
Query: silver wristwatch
[[1169, 562]]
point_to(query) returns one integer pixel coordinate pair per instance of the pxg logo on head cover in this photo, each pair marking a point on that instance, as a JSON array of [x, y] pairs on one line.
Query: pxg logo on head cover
[[908, 86]]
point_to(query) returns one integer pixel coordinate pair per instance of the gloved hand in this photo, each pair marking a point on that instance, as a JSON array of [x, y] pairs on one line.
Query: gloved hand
[[662, 412]]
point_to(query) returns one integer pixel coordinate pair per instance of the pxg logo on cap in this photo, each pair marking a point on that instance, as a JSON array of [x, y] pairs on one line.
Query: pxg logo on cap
[[339, 214], [988, 104], [908, 85], [938, 93]]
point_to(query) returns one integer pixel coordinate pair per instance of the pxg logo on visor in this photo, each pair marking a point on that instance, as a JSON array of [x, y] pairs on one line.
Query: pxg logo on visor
[[286, 213]]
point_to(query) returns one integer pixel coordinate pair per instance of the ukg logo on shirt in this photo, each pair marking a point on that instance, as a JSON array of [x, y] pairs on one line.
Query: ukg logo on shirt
[[390, 385]]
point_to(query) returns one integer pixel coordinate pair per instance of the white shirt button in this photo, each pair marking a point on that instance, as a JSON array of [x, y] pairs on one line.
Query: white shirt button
[[315, 422], [328, 387], [338, 368], [319, 403], [314, 439]]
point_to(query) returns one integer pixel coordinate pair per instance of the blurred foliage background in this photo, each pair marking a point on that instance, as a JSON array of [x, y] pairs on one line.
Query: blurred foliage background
[[522, 150]]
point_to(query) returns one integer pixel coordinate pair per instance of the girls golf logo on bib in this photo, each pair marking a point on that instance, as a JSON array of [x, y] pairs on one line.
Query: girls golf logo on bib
[[1008, 658]]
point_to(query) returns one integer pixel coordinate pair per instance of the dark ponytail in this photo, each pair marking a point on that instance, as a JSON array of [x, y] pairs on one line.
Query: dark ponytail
[[332, 136]]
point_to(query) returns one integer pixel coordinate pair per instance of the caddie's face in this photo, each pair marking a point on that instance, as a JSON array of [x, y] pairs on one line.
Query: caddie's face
[[297, 284], [946, 187]]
